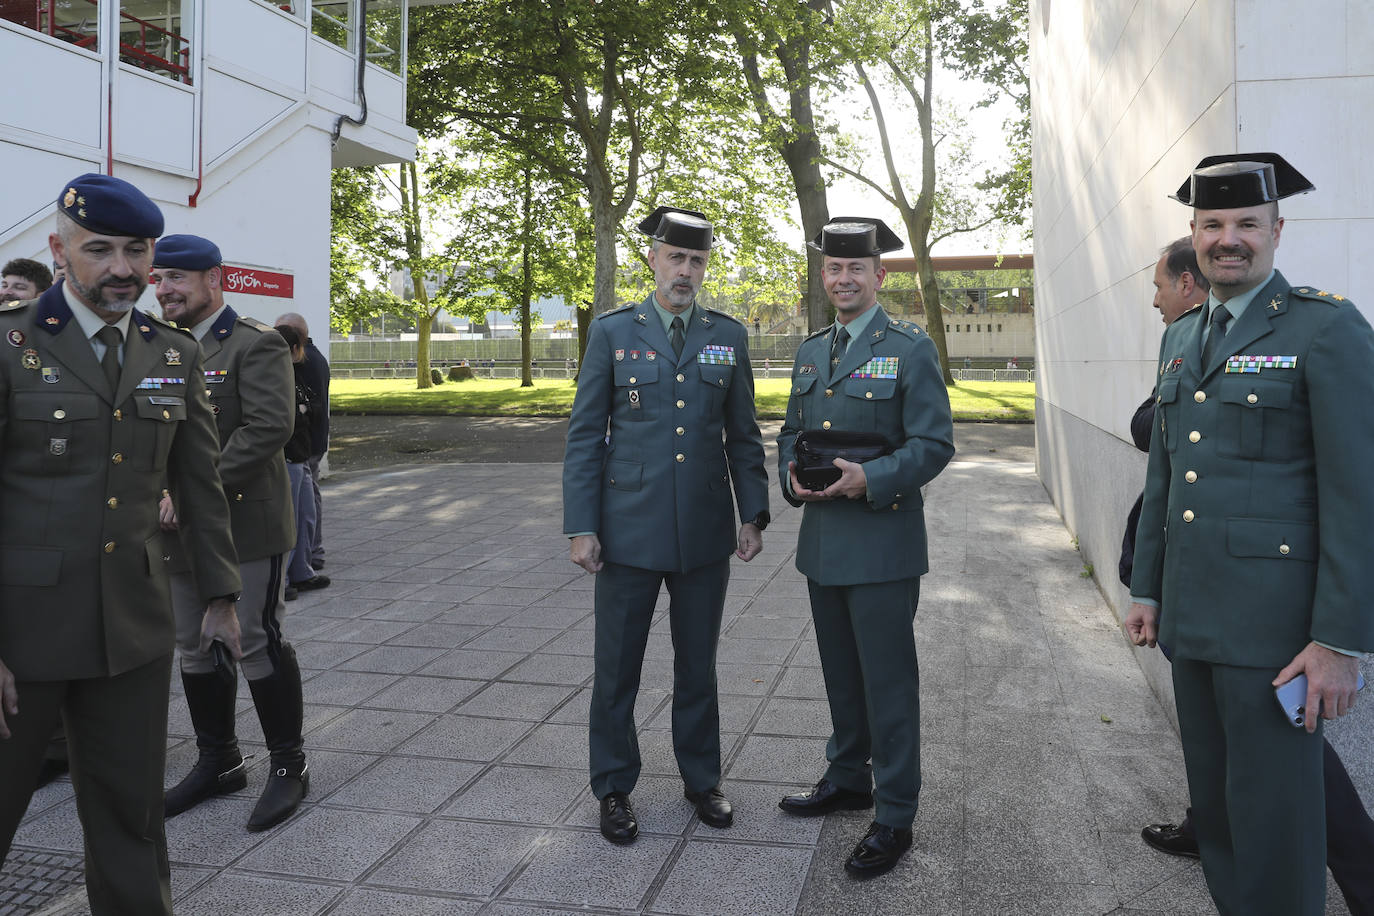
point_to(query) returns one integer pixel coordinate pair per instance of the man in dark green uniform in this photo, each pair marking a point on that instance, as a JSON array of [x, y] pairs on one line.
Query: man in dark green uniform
[[99, 404], [649, 504], [862, 545], [1252, 536], [249, 378]]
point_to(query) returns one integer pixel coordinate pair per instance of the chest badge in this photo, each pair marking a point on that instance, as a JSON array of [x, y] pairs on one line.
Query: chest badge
[[651, 356], [52, 375], [15, 337], [30, 359], [619, 356], [57, 447], [634, 399], [173, 356]]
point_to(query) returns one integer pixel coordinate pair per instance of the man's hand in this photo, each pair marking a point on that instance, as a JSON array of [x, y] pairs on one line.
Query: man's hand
[[9, 699], [1331, 679], [585, 551], [221, 622], [801, 492], [853, 482], [750, 541], [1142, 624], [166, 513]]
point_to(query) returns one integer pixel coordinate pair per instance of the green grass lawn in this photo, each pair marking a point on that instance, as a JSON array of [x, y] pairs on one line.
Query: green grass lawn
[[505, 398]]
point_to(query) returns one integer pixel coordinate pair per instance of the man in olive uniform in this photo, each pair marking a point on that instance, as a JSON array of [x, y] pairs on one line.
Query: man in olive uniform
[[1252, 536], [862, 545], [99, 404], [650, 504], [252, 393]]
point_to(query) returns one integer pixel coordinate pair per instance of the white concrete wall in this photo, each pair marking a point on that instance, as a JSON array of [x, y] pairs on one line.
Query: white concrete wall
[[1126, 98], [248, 140]]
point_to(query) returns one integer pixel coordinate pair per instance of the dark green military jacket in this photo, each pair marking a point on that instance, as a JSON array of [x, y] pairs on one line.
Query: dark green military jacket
[[1253, 533], [83, 576], [888, 382], [657, 442], [252, 389]]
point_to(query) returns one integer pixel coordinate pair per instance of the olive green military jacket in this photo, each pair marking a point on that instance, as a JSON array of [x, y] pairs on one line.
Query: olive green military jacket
[[657, 442], [1254, 531], [888, 382], [252, 390], [83, 576]]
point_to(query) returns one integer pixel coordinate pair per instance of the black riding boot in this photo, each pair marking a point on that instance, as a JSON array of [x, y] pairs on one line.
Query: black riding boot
[[281, 712], [219, 769]]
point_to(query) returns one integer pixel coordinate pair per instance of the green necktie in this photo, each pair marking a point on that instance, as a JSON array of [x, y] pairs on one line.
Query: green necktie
[[111, 338], [1215, 334], [838, 346], [676, 336]]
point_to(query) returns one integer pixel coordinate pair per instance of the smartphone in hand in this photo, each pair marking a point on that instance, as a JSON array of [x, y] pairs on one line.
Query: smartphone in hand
[[1292, 697]]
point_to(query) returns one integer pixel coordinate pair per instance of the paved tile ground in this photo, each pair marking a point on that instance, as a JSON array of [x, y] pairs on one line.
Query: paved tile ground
[[447, 687]]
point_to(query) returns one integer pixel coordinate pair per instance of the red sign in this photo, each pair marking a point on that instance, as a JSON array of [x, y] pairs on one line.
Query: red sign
[[257, 282]]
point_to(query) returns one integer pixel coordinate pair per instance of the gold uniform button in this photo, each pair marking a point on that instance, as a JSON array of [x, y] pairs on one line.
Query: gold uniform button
[[166, 415], [612, 481], [1252, 399], [633, 380], [59, 414], [112, 502], [680, 431], [119, 415], [825, 425], [830, 392], [722, 383], [1199, 396], [116, 458], [681, 457], [894, 507], [1191, 477], [681, 404], [869, 395], [238, 497], [109, 546], [1188, 515], [681, 377], [1194, 436], [1283, 549]]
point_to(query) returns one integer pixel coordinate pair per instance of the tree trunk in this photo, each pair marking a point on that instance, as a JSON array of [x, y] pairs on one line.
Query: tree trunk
[[930, 297], [410, 209], [526, 282], [422, 329]]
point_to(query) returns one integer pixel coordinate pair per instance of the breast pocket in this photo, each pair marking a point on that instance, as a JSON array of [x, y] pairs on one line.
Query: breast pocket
[[162, 414], [801, 390], [869, 400], [1166, 412], [63, 422], [716, 381], [636, 390], [1257, 419]]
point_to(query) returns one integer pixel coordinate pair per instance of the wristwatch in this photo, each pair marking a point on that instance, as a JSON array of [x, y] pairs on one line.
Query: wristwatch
[[762, 519]]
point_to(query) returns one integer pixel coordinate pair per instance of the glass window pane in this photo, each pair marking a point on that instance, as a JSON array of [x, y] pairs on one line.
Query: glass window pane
[[384, 34], [76, 21], [332, 20], [155, 35]]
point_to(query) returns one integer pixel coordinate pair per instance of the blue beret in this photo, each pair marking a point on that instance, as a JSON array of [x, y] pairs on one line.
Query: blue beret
[[110, 206], [189, 252]]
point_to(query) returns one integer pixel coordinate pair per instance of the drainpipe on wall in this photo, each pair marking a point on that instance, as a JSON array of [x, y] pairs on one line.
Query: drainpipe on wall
[[362, 71]]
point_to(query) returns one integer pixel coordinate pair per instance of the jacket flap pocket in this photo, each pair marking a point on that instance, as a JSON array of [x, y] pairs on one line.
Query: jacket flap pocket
[[803, 383], [1168, 391], [1276, 538], [56, 406], [161, 407], [715, 375], [1256, 392], [638, 372], [870, 389], [624, 475]]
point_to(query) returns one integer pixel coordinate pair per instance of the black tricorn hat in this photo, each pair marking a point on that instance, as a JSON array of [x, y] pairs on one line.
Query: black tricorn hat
[[682, 228], [1241, 180], [855, 237]]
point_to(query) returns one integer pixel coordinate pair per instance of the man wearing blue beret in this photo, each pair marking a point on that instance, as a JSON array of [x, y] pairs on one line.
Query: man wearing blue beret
[[862, 544], [1251, 540], [650, 504], [249, 378], [99, 404]]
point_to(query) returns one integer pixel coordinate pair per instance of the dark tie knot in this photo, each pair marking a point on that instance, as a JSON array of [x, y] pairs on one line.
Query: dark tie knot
[[1220, 316]]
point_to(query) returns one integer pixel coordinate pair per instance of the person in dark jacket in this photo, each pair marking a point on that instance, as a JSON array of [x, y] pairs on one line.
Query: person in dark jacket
[[300, 575]]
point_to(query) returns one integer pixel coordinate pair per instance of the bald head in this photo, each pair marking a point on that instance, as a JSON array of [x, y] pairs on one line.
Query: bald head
[[291, 319]]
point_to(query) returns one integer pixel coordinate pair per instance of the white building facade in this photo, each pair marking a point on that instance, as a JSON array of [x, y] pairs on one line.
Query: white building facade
[[223, 111], [1126, 98]]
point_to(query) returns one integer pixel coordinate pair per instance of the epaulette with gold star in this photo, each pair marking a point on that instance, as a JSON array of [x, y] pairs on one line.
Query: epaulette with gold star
[[15, 305], [723, 315], [621, 310], [1193, 309], [821, 333], [911, 329], [1318, 295], [164, 325]]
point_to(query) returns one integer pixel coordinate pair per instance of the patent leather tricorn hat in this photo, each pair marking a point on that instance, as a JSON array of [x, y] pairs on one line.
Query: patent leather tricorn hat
[[855, 237], [1241, 180], [682, 228]]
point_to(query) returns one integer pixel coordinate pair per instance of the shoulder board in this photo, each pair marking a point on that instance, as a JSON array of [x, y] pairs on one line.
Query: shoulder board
[[1320, 295], [909, 328], [821, 333], [723, 315], [15, 306], [621, 310], [1193, 309], [166, 325], [256, 324]]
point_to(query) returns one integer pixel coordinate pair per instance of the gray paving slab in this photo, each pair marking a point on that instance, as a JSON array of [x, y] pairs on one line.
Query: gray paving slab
[[447, 685]]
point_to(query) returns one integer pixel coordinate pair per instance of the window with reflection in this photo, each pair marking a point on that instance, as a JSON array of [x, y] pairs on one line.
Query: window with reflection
[[155, 35], [332, 20], [74, 21], [385, 28]]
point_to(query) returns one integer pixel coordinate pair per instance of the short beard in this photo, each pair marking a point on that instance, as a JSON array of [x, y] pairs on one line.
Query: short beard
[[91, 295]]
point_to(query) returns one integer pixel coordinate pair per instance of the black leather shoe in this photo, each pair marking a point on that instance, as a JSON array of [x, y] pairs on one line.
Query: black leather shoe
[[1175, 839], [712, 807], [618, 822], [878, 851], [286, 787], [309, 585], [824, 798]]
